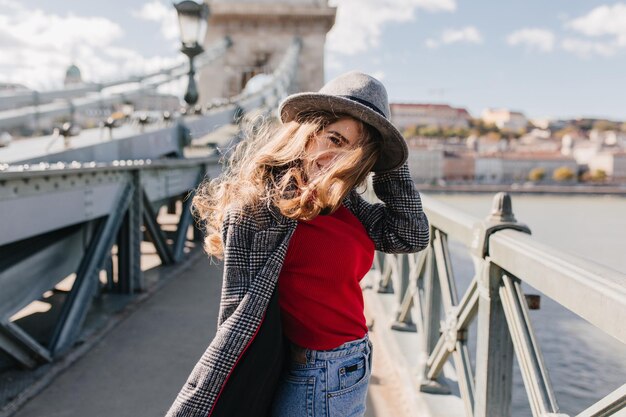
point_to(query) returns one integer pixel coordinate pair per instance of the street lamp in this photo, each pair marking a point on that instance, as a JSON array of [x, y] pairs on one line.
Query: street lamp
[[192, 18]]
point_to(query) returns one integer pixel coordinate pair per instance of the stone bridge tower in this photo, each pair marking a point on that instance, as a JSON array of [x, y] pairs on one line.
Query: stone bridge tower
[[261, 31]]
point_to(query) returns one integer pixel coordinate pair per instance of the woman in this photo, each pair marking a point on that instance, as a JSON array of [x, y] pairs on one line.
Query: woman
[[296, 238]]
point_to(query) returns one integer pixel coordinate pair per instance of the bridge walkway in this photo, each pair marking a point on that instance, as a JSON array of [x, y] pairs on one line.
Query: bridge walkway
[[139, 364]]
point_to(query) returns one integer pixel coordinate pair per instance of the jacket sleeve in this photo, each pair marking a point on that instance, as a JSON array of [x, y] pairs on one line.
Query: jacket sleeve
[[398, 224], [237, 236]]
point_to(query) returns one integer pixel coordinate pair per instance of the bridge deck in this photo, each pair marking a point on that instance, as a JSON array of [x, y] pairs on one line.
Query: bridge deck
[[138, 366]]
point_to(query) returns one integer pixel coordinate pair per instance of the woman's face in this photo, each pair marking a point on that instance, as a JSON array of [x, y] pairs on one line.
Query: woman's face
[[344, 133]]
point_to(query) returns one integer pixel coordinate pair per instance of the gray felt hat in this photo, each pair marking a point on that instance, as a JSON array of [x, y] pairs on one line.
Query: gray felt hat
[[362, 97]]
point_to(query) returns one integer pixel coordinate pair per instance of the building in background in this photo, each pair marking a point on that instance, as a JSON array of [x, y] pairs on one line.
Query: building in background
[[513, 167], [505, 119], [612, 163], [459, 166], [261, 32], [608, 137], [425, 165], [72, 76], [404, 115], [549, 124]]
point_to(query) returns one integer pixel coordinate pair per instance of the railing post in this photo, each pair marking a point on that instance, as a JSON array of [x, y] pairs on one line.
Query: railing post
[[129, 239], [385, 284], [414, 269], [432, 318], [494, 349], [78, 301], [402, 280]]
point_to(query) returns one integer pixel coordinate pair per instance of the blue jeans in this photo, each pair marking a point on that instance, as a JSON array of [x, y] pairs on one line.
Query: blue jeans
[[326, 383]]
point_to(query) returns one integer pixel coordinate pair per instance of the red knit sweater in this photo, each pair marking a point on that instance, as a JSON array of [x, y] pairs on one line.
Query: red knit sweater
[[320, 297]]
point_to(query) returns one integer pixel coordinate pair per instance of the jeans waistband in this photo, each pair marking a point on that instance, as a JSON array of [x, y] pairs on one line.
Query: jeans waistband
[[345, 349]]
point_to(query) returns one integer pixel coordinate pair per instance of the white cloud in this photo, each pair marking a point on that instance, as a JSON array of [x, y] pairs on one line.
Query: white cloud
[[40, 46], [7, 39], [10, 5], [467, 34], [359, 23], [333, 63], [534, 39], [156, 11], [603, 21], [38, 30], [586, 49], [379, 75], [431, 43], [605, 29]]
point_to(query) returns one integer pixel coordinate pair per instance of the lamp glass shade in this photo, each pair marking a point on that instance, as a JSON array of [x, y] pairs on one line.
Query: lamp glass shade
[[192, 18], [202, 27]]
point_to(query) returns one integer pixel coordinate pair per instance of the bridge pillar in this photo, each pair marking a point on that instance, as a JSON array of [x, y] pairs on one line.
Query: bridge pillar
[[261, 32]]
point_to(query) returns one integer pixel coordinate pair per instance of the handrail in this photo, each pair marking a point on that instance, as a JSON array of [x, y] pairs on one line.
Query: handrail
[[283, 77], [504, 256], [102, 202], [572, 279], [593, 291], [33, 97], [459, 225], [16, 117], [122, 193], [261, 102], [47, 169], [92, 206], [88, 209]]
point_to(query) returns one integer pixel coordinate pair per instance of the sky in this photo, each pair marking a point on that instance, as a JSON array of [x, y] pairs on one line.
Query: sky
[[548, 58]]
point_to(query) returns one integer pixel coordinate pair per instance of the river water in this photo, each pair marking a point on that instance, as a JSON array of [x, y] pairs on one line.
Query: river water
[[584, 364]]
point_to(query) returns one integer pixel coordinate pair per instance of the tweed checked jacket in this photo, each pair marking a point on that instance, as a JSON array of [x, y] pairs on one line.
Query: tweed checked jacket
[[233, 373]]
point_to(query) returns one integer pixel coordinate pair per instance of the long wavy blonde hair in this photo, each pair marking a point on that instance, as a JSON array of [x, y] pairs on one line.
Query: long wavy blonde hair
[[271, 167]]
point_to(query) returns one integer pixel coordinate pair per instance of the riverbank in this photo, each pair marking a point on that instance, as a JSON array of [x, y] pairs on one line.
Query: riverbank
[[619, 190]]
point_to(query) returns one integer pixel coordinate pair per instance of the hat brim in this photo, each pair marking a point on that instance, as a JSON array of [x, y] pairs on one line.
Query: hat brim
[[393, 150]]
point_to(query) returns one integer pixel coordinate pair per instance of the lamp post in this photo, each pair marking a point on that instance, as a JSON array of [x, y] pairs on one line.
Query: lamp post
[[192, 18]]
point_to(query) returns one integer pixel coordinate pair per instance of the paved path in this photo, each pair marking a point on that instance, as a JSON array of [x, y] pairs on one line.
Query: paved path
[[139, 366], [137, 369]]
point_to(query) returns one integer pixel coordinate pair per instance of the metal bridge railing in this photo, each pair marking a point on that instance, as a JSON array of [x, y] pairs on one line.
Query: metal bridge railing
[[169, 139], [34, 98], [20, 116], [504, 256], [64, 218], [58, 221], [262, 101]]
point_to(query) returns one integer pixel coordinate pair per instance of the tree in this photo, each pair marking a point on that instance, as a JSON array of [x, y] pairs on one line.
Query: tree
[[598, 175], [429, 131], [410, 131], [536, 174], [604, 125], [483, 128], [459, 132], [492, 127], [477, 124], [565, 131], [447, 132], [563, 174]]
